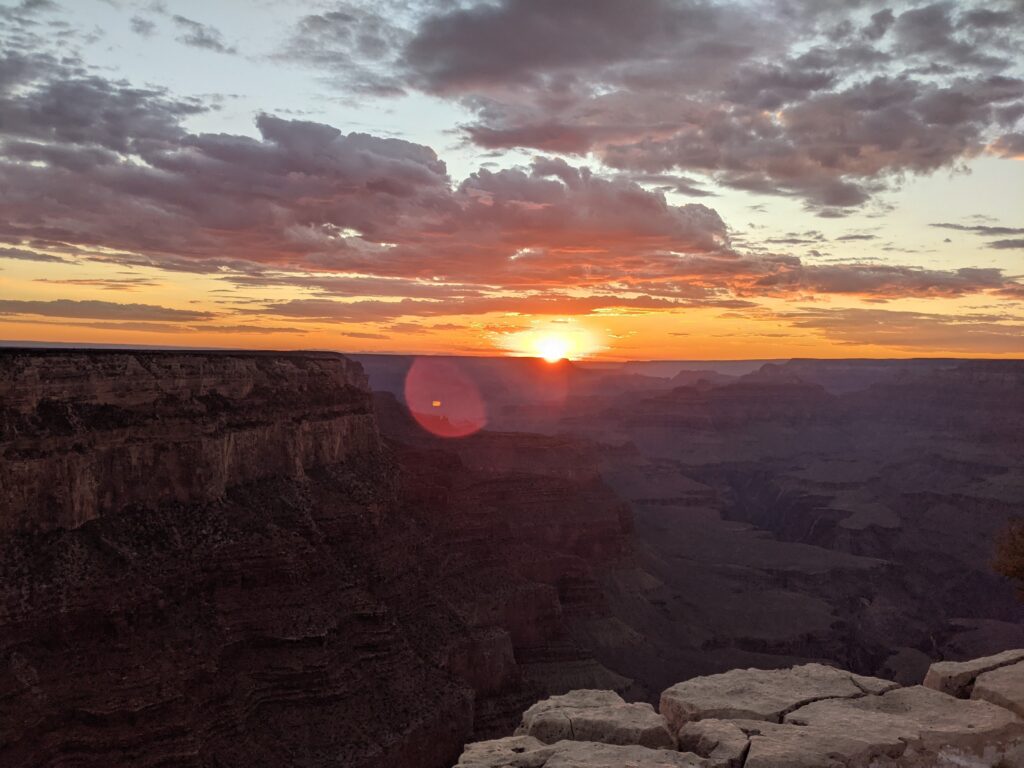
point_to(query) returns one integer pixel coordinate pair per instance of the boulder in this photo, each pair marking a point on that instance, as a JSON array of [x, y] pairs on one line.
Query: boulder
[[957, 677], [1003, 686], [762, 694], [528, 752], [601, 716]]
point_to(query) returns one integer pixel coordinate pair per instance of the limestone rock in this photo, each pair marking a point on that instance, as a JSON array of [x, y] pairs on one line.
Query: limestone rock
[[600, 716], [762, 694], [1003, 686], [957, 677], [528, 752], [723, 742], [916, 725]]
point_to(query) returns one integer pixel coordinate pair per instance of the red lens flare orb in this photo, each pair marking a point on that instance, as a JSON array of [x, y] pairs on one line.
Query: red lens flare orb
[[443, 399]]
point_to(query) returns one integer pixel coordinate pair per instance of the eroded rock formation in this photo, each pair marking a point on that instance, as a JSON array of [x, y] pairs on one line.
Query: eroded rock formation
[[807, 716], [215, 560]]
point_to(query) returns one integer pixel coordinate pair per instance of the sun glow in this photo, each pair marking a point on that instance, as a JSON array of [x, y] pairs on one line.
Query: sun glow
[[553, 342], [552, 348]]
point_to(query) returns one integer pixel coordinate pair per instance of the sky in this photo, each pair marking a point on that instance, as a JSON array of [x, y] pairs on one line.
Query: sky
[[651, 179]]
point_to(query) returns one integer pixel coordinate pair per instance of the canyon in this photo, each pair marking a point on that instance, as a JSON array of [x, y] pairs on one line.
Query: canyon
[[240, 558]]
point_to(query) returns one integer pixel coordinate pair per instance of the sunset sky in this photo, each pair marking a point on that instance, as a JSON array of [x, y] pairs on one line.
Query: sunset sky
[[634, 179]]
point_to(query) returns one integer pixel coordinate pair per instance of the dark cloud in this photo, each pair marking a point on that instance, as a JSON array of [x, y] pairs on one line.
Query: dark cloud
[[106, 284], [23, 254], [796, 98], [355, 47], [1014, 243], [200, 35], [1009, 145], [143, 27], [97, 310], [982, 229]]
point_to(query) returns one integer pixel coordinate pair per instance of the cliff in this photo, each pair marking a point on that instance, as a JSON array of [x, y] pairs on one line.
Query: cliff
[[84, 434], [217, 560], [965, 714]]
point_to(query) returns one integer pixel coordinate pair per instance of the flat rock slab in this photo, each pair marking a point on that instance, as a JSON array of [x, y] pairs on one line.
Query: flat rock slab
[[600, 716], [762, 694], [528, 752], [957, 677], [914, 724], [1003, 686]]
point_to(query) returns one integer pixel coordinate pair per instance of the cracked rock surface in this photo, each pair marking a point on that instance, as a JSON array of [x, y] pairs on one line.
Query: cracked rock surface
[[762, 694], [809, 716], [528, 752], [1003, 686], [957, 677], [601, 716]]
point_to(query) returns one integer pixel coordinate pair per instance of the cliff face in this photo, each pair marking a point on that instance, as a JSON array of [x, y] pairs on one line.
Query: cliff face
[[215, 560], [86, 434]]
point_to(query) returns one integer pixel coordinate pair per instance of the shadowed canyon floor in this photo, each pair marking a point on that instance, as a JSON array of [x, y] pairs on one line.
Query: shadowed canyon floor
[[221, 559]]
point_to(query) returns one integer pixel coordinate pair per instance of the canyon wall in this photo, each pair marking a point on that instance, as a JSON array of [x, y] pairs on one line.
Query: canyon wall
[[215, 559]]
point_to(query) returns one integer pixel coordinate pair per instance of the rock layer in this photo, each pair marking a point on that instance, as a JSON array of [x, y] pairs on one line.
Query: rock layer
[[213, 559], [85, 434]]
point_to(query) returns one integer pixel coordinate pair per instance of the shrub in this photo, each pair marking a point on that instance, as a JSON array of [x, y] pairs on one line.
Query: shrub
[[1010, 554]]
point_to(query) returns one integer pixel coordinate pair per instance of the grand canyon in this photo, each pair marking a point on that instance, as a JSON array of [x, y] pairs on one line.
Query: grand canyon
[[228, 558], [511, 384]]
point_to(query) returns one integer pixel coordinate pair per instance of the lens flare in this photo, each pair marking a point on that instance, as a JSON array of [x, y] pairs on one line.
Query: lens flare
[[443, 398]]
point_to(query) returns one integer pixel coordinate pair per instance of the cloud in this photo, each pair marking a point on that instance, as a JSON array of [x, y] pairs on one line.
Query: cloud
[[878, 281], [354, 46], [340, 215], [142, 27], [982, 229], [800, 99], [97, 310], [912, 331], [106, 284], [1015, 243], [23, 254], [200, 35]]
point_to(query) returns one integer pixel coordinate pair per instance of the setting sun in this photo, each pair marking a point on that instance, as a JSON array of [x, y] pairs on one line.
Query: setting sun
[[552, 348], [553, 341]]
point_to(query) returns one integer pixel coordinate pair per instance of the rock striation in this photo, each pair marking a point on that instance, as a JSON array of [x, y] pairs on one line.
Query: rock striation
[[221, 559], [807, 716], [85, 434]]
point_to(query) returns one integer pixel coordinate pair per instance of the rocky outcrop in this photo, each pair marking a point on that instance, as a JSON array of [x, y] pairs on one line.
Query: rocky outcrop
[[601, 716], [762, 694], [957, 677], [805, 717]]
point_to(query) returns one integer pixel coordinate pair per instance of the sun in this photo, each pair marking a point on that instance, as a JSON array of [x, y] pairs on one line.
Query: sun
[[552, 347]]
